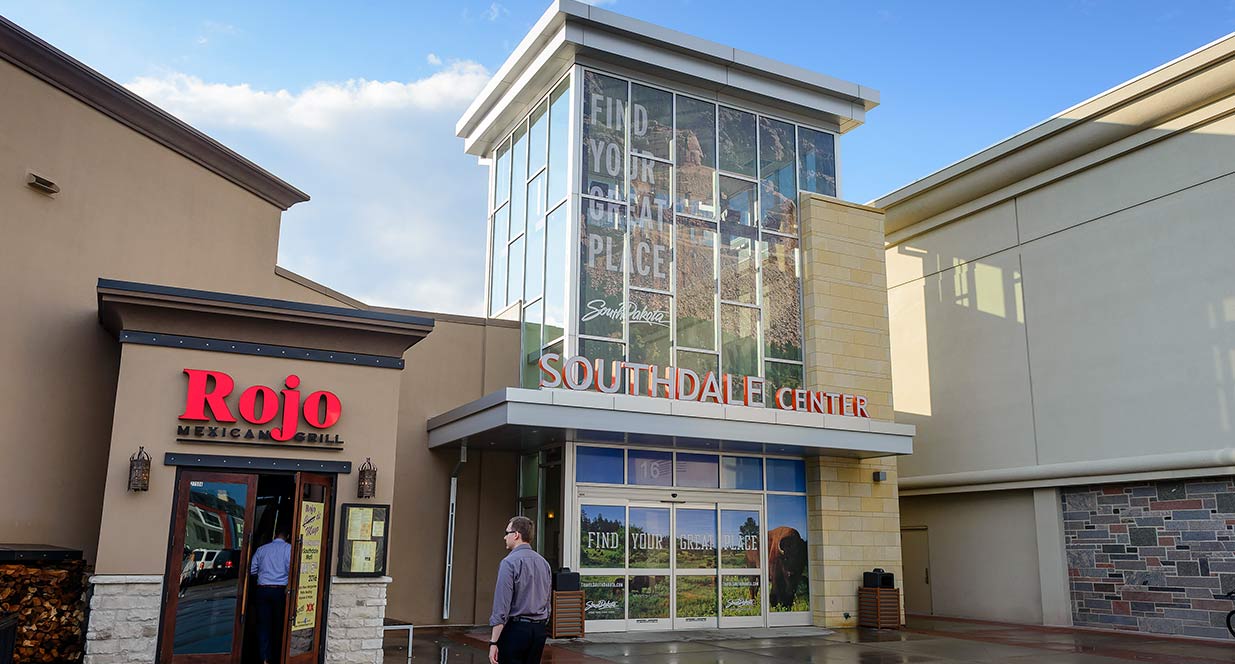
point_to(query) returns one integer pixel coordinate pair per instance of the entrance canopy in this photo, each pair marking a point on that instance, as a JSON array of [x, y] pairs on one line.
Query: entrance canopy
[[524, 419]]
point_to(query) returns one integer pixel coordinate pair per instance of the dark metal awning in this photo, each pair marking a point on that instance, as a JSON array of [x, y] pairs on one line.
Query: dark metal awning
[[523, 419]]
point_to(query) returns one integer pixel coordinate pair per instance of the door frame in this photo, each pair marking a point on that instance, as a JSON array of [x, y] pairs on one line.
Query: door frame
[[175, 552], [304, 478]]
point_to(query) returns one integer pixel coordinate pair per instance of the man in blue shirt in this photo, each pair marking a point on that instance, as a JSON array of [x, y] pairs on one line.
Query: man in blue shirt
[[520, 600], [270, 563]]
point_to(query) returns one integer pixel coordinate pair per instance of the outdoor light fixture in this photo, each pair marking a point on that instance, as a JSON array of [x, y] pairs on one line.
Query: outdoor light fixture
[[42, 184], [368, 479], [879, 475], [139, 470]]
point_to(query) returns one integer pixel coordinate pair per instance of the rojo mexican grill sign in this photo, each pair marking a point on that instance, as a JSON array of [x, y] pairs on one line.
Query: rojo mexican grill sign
[[616, 376], [266, 416]]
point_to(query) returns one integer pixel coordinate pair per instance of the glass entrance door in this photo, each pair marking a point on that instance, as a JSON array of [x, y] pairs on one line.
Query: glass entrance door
[[650, 567], [695, 566], [205, 582], [741, 564]]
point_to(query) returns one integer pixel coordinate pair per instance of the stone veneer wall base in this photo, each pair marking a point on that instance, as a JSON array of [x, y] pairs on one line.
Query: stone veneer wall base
[[124, 619], [357, 614]]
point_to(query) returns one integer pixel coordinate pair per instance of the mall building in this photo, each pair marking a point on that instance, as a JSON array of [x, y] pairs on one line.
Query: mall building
[[683, 375], [1063, 335]]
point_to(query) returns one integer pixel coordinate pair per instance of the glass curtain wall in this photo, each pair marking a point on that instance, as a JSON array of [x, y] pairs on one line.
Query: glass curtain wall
[[528, 227], [688, 230]]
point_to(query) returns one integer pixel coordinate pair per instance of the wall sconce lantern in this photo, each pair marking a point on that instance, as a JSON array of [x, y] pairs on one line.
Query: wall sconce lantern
[[880, 476], [139, 470], [368, 479]]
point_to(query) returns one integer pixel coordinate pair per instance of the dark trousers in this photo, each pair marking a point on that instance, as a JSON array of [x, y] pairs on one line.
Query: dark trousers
[[269, 613], [521, 643]]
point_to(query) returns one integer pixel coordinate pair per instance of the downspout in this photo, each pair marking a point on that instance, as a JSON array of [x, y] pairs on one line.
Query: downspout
[[450, 529]]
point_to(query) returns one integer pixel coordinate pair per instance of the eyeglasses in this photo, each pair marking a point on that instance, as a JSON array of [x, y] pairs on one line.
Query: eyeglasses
[[510, 532]]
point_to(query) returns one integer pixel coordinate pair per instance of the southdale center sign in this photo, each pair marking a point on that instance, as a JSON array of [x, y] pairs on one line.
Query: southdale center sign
[[581, 373], [206, 400]]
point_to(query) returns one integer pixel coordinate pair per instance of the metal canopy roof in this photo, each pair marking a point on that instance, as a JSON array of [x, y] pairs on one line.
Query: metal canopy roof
[[523, 419]]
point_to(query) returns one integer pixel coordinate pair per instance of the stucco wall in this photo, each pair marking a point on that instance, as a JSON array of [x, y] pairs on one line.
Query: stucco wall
[[983, 554], [128, 209]]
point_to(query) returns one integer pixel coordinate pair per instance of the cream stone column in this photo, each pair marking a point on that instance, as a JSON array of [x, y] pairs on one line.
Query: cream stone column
[[854, 520]]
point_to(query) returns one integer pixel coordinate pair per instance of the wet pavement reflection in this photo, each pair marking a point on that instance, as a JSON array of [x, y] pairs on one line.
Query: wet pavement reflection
[[924, 640]]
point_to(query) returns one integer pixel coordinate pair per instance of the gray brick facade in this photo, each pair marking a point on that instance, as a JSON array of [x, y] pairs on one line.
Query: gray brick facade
[[1152, 557]]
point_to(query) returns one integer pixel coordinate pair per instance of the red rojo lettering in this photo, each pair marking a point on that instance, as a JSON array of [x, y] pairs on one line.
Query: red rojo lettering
[[322, 409]]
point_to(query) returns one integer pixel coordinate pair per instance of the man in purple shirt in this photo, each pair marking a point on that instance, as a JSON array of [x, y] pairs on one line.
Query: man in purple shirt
[[270, 564], [520, 601]]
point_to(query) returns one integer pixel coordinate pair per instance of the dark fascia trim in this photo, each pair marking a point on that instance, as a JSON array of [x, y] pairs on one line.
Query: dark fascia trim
[[10, 553], [53, 66], [249, 300], [264, 350], [255, 463]]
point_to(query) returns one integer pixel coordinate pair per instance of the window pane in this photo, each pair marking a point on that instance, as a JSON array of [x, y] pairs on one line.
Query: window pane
[[649, 595], [737, 201], [778, 375], [555, 271], [501, 175], [696, 596], [818, 154], [737, 141], [700, 363], [787, 475], [602, 465], [600, 281], [739, 329], [533, 314], [518, 177], [696, 286], [696, 157], [697, 470], [739, 539], [696, 535], [529, 475], [206, 613], [602, 535], [650, 224], [536, 198], [782, 298], [651, 121], [534, 272], [537, 137], [787, 551], [604, 135], [649, 330], [497, 289], [649, 468], [778, 183], [559, 141], [607, 352], [741, 473], [606, 597], [737, 264], [514, 280]]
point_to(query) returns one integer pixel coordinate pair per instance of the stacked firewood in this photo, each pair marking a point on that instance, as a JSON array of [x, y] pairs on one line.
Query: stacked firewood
[[49, 600]]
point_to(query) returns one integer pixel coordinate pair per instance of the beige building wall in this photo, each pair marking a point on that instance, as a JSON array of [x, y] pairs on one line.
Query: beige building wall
[[854, 520], [129, 208], [1063, 313]]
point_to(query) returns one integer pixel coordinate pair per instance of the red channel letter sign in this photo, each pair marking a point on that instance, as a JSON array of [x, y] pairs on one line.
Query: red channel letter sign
[[208, 391]]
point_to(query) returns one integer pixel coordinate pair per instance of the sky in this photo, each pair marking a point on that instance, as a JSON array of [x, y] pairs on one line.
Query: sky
[[355, 103]]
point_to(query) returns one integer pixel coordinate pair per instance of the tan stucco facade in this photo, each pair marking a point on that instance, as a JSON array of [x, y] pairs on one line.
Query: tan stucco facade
[[1061, 316]]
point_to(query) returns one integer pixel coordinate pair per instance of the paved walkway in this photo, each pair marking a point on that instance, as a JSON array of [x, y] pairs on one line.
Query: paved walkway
[[925, 641]]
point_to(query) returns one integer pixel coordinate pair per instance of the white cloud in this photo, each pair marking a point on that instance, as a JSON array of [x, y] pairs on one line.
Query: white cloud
[[433, 59], [494, 12], [397, 216]]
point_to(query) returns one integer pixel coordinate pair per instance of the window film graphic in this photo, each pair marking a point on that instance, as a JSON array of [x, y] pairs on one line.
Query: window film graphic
[[740, 595], [696, 540], [602, 536], [649, 537], [739, 539], [604, 597], [602, 255], [649, 468], [604, 136], [788, 584], [696, 596], [649, 597]]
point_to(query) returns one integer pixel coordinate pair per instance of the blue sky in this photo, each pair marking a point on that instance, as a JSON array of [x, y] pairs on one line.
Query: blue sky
[[356, 103]]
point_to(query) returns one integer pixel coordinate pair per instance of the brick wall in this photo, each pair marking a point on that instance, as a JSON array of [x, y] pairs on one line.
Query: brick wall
[[1152, 557]]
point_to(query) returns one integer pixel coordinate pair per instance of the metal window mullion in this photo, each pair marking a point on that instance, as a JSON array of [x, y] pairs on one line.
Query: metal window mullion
[[574, 140]]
